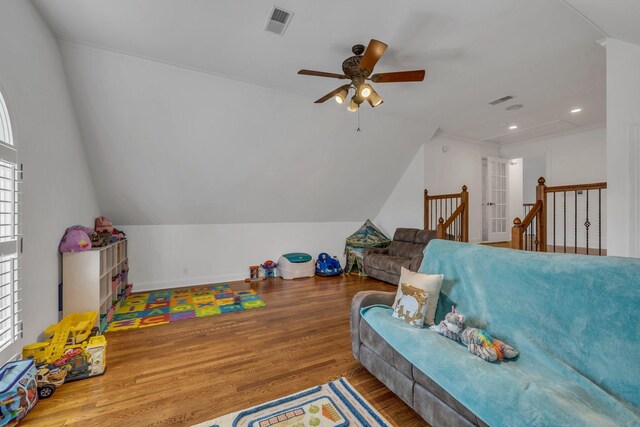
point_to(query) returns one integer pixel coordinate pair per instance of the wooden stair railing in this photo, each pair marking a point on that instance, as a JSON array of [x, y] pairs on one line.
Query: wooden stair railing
[[531, 233], [455, 208]]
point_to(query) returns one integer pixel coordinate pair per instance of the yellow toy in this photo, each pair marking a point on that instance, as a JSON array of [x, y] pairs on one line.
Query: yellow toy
[[72, 346], [74, 329]]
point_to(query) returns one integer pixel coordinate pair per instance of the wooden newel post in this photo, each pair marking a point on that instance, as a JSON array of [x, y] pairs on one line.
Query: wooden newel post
[[465, 215], [426, 209], [516, 235], [541, 195], [441, 232]]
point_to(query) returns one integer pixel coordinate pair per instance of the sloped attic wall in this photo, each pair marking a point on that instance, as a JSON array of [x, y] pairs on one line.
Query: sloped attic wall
[[57, 189], [179, 157], [168, 145]]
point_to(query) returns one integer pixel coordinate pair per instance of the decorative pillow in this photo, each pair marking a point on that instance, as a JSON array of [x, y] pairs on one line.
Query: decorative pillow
[[430, 283], [411, 306]]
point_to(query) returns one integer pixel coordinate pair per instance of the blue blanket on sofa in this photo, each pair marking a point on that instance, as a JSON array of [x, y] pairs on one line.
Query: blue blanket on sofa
[[574, 319]]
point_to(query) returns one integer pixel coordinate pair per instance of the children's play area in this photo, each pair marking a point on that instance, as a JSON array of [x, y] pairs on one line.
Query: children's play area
[[97, 298]]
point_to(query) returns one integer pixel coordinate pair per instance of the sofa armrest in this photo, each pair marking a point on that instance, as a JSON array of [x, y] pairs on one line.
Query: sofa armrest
[[382, 251], [360, 300], [416, 261]]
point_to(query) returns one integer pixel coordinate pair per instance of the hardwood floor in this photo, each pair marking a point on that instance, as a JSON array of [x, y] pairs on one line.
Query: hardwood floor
[[194, 370]]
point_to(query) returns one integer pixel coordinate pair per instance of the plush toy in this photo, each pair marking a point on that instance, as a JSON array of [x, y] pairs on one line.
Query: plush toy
[[478, 341], [103, 225], [75, 239]]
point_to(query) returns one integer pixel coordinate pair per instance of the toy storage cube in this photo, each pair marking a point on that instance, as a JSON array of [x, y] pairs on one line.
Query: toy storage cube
[[296, 266]]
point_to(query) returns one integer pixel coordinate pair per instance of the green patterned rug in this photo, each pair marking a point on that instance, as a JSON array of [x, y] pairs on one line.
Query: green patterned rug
[[145, 309]]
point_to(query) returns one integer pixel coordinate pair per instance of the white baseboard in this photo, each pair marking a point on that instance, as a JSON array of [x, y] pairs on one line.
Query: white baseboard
[[186, 281]]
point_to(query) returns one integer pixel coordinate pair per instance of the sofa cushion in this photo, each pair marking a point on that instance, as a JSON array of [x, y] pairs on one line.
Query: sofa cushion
[[529, 391], [405, 235], [372, 340], [426, 383], [424, 236], [391, 264], [569, 310]]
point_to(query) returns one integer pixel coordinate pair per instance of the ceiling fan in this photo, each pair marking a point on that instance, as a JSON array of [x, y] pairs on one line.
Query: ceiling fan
[[358, 68]]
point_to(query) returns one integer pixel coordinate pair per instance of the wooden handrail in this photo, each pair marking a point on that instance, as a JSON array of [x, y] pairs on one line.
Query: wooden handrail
[[577, 187], [458, 219], [453, 216], [531, 215], [522, 230], [445, 196], [443, 226], [520, 226]]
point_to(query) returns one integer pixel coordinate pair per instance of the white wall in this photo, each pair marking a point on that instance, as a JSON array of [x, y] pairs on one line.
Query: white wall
[[574, 158], [160, 254], [532, 169], [515, 194], [446, 172], [58, 191], [623, 164], [405, 205], [170, 145]]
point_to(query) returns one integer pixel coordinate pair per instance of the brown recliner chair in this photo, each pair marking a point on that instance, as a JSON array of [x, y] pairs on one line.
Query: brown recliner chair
[[406, 250]]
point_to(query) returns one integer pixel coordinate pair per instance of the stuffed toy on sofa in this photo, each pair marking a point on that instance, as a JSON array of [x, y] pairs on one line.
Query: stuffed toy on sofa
[[478, 341]]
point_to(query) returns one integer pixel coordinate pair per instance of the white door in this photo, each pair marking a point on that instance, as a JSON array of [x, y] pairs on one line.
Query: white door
[[498, 200]]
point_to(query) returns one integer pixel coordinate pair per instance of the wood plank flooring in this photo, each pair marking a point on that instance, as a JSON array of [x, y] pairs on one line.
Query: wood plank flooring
[[194, 370]]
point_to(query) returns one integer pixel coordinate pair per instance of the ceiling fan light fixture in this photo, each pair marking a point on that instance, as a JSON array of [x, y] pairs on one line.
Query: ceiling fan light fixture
[[374, 99], [365, 90], [341, 96], [353, 106]]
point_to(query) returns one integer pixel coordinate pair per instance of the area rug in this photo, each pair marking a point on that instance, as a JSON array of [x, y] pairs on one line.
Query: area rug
[[335, 404], [144, 309]]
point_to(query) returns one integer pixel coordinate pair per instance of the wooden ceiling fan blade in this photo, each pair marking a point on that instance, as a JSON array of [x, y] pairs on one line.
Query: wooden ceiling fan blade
[[331, 94], [372, 54], [322, 74], [399, 76]]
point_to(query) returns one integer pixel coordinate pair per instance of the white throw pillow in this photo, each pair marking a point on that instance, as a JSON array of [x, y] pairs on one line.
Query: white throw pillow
[[430, 283], [412, 305]]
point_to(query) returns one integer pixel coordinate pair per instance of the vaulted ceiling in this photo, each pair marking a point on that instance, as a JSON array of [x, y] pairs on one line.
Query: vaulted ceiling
[[195, 103]]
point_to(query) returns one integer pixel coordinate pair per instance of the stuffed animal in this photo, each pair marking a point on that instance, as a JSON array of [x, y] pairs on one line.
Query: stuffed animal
[[75, 239], [478, 341], [103, 225]]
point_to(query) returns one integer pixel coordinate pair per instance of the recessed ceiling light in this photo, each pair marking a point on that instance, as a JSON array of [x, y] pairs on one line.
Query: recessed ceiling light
[[514, 107], [513, 127], [576, 110]]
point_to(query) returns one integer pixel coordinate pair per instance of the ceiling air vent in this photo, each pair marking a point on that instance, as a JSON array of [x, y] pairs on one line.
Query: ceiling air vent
[[501, 100], [278, 21]]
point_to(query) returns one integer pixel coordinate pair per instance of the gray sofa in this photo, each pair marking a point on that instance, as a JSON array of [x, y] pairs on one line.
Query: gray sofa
[[415, 388], [406, 250]]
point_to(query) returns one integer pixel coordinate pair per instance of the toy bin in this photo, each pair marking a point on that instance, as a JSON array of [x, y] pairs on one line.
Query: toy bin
[[296, 265], [18, 391], [103, 322], [114, 284], [110, 313]]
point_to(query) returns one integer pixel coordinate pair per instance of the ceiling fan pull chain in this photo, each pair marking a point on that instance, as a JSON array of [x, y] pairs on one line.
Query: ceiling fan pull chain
[[358, 130]]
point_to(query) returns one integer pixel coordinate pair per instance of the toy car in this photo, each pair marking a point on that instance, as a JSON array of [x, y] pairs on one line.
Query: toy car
[[327, 265], [49, 380]]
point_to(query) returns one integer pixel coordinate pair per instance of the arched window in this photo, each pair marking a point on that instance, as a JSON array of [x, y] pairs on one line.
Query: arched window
[[10, 277], [5, 124]]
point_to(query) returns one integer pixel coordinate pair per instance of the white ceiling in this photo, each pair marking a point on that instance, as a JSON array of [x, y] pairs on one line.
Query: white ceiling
[[540, 51], [619, 19], [173, 146]]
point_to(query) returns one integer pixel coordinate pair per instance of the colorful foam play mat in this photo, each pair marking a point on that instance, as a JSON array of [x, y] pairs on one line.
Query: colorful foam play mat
[[335, 404], [154, 308]]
